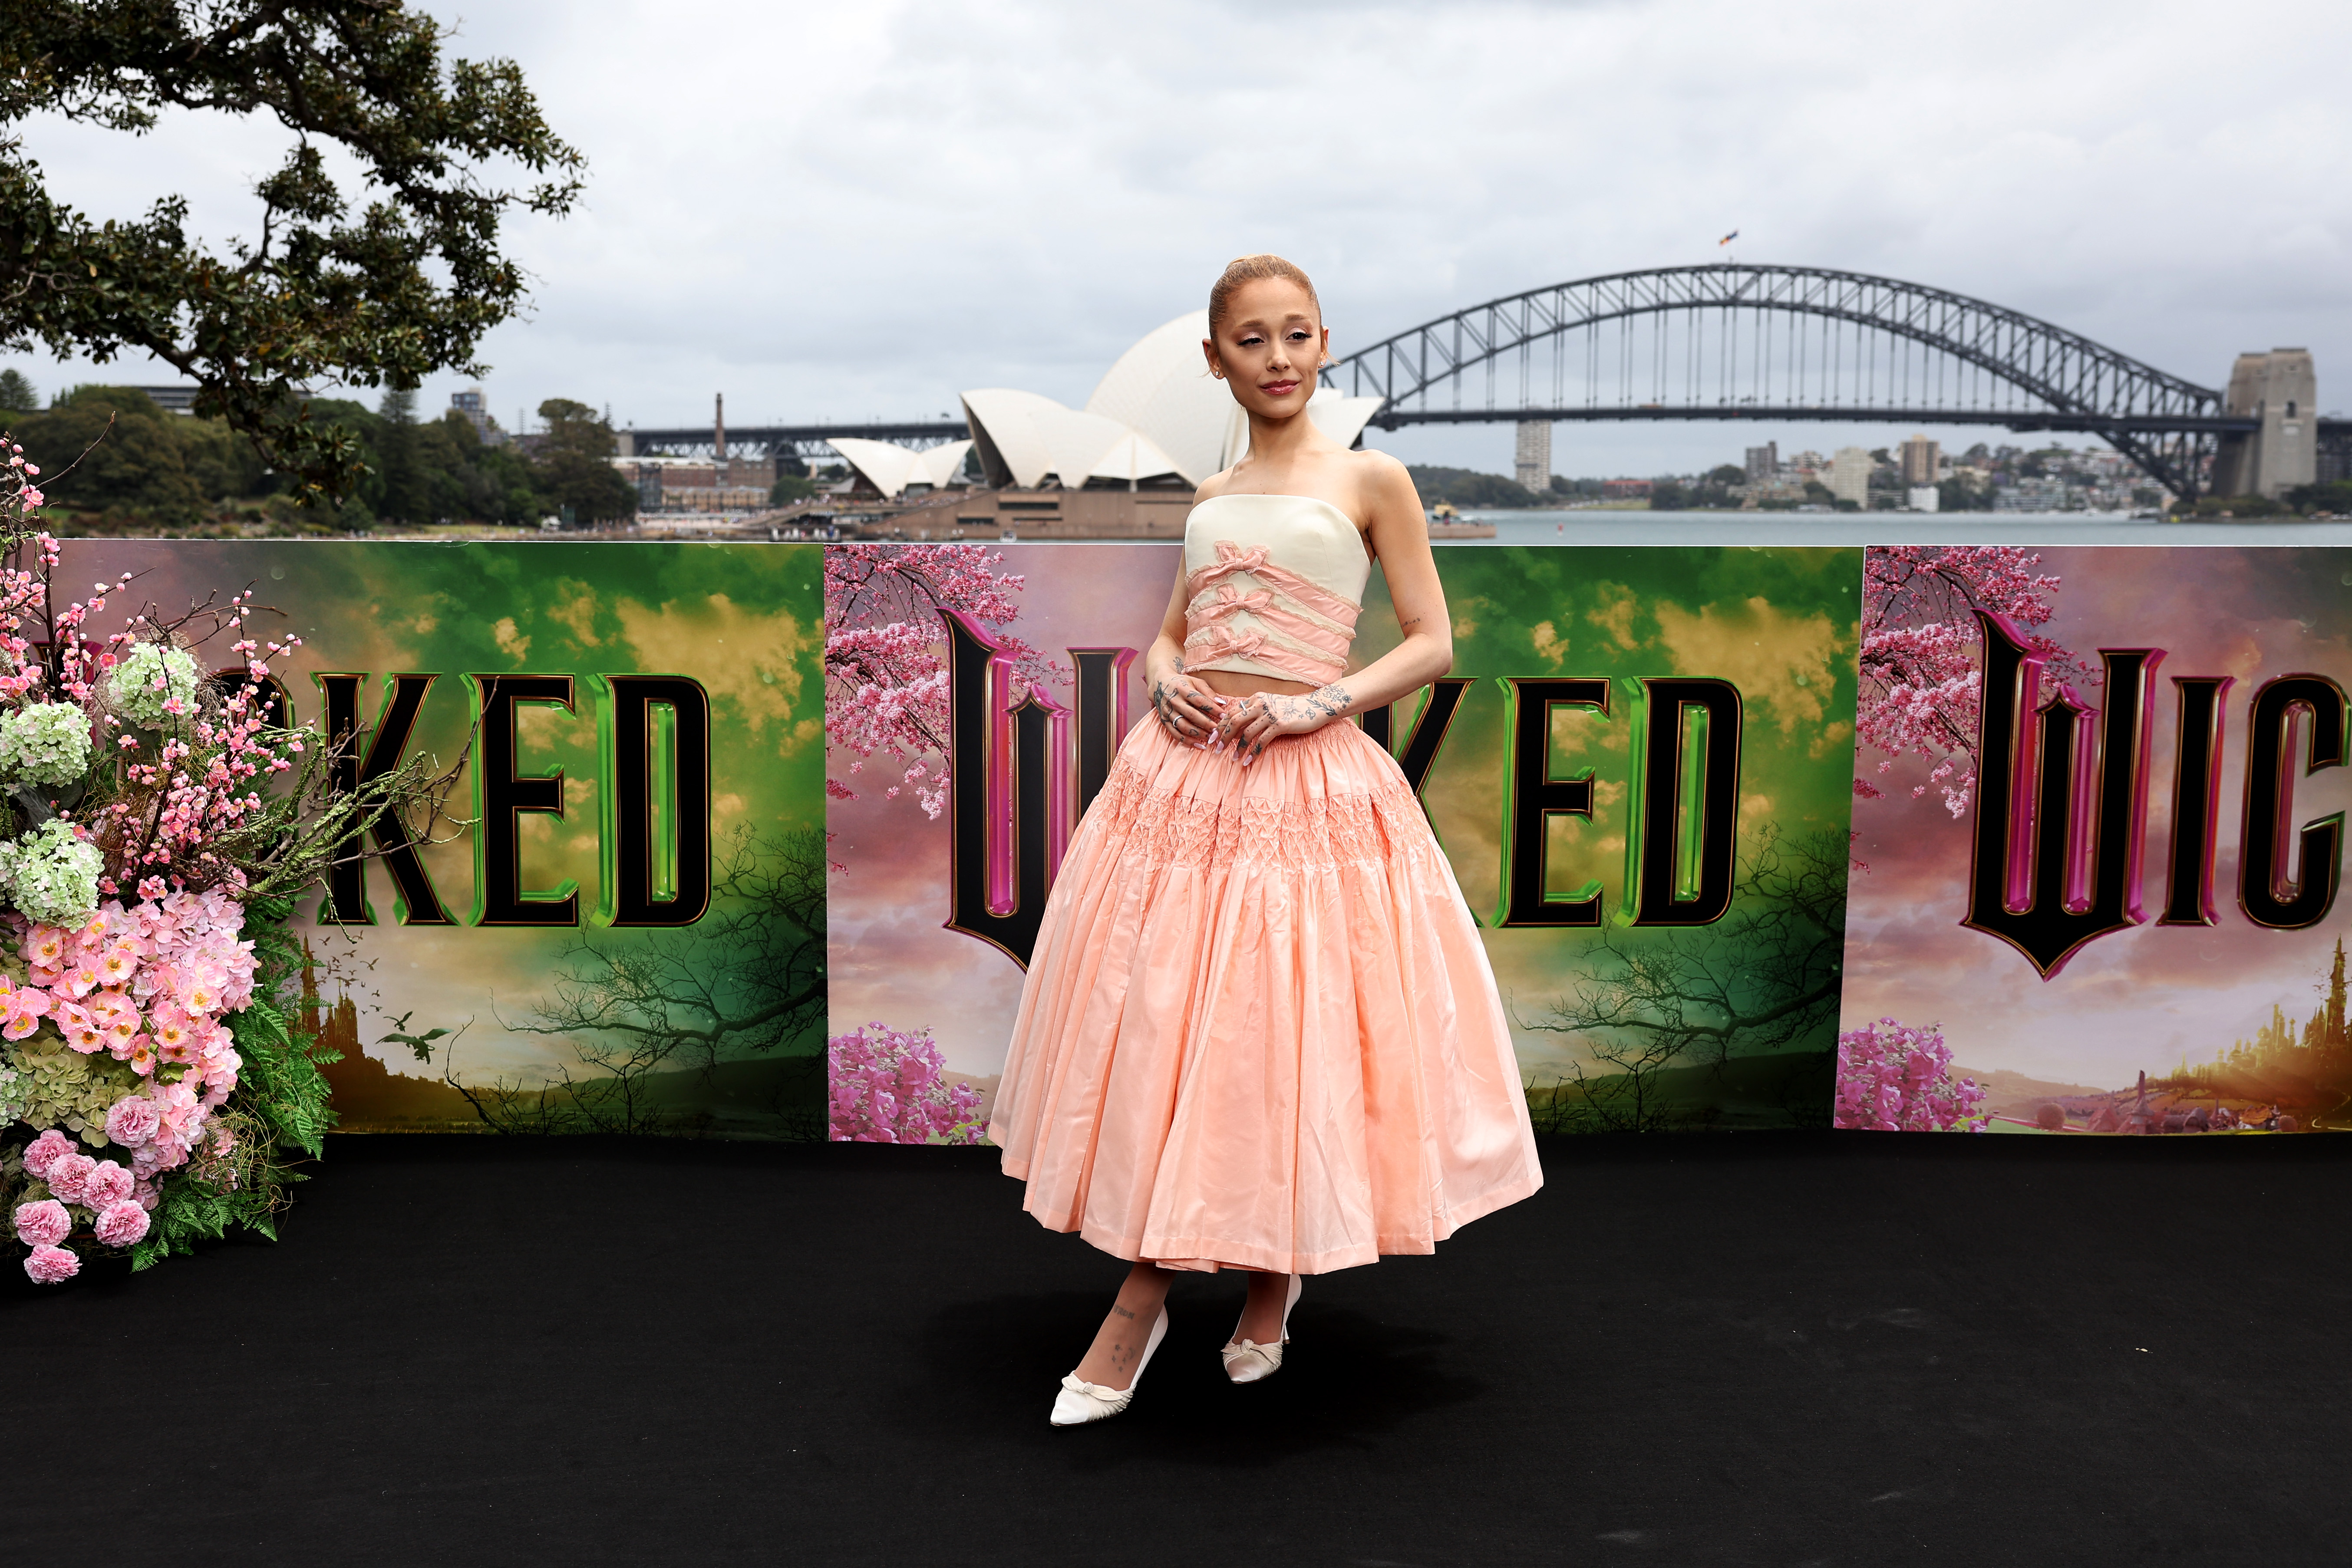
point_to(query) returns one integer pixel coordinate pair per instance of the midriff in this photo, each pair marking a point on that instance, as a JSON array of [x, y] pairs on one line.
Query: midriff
[[1239, 684]]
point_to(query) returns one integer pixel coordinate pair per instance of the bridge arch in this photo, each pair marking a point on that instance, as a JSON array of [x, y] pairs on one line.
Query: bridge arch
[[1736, 340]]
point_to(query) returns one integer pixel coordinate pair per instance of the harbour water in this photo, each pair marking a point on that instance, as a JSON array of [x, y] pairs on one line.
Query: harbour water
[[1613, 527]]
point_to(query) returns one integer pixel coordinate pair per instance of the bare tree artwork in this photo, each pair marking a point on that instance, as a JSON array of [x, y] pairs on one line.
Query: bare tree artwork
[[1765, 975], [747, 980]]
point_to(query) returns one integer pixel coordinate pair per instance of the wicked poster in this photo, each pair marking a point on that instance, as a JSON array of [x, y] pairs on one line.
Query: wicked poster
[[1640, 769], [621, 929], [2105, 834]]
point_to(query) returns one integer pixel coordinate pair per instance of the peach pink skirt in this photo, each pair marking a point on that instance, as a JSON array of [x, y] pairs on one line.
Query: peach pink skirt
[[1259, 1029]]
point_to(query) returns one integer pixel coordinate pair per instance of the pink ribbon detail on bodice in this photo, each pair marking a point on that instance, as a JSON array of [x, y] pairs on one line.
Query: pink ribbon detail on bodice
[[1283, 601]]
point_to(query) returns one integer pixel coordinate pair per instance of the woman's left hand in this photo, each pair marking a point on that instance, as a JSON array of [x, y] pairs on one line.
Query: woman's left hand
[[1261, 716]]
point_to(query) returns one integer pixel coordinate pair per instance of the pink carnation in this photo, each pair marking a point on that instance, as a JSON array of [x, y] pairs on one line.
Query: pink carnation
[[132, 1121], [46, 1151], [66, 1173], [43, 1224], [106, 1183], [122, 1223], [50, 1265]]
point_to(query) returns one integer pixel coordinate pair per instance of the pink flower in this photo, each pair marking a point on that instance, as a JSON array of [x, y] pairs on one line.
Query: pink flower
[[23, 1007], [202, 989], [66, 1175], [46, 1151], [132, 1121], [51, 1265], [45, 948], [81, 1032], [43, 1224], [122, 1223], [106, 1183]]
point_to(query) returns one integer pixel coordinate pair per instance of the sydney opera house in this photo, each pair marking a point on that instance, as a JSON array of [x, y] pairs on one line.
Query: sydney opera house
[[1124, 466]]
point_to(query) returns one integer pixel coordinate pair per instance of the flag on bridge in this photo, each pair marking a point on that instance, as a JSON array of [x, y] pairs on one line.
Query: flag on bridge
[[1729, 237]]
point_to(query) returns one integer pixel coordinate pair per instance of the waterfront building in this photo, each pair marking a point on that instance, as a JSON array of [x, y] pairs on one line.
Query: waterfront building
[[1533, 455], [1918, 460], [892, 471], [1157, 420], [1763, 463], [1848, 475]]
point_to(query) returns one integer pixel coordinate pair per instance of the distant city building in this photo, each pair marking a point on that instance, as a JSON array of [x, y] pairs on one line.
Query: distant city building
[[1848, 475], [476, 409], [1535, 455], [1624, 490], [700, 483], [1924, 497], [1764, 462], [1918, 459], [171, 400]]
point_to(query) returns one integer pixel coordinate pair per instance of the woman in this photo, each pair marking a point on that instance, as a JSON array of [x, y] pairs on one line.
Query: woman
[[1259, 1032]]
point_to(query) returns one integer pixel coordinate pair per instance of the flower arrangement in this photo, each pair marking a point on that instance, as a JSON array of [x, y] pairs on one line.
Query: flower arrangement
[[889, 1086], [1893, 1078], [155, 826]]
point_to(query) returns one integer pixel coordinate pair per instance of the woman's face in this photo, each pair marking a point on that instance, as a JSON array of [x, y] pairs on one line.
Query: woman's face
[[1269, 346]]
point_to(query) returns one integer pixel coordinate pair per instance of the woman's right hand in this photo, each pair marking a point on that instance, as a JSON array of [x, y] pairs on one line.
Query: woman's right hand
[[1186, 708]]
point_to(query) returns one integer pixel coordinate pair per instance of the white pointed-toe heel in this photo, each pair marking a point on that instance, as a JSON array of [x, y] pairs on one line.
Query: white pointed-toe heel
[[1080, 1402], [1247, 1360]]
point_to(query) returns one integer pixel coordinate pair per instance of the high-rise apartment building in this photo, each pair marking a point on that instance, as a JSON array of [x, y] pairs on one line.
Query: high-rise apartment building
[[1764, 462], [1535, 455], [476, 409], [1848, 475], [1920, 458]]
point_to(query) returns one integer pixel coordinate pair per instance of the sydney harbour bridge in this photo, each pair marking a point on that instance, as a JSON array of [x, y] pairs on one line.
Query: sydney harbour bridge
[[1734, 342]]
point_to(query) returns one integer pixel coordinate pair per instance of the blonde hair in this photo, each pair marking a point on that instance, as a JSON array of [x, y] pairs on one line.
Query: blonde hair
[[1249, 269]]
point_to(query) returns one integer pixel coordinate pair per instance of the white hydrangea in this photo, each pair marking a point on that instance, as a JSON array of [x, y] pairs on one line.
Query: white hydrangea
[[51, 876], [44, 743], [149, 675]]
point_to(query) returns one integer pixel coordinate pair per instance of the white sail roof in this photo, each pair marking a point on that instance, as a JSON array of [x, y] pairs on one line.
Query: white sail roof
[[1163, 388], [1157, 412], [1024, 439], [891, 467]]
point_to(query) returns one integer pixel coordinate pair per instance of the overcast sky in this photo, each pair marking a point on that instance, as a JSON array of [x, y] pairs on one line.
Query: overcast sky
[[858, 211]]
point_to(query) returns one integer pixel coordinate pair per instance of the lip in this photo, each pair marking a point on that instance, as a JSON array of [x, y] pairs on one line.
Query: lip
[[1277, 388]]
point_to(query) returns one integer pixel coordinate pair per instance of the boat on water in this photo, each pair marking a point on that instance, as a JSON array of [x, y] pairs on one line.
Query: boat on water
[[1446, 523]]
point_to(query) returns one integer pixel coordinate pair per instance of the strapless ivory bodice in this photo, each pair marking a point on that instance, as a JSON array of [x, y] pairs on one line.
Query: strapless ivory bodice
[[1272, 587]]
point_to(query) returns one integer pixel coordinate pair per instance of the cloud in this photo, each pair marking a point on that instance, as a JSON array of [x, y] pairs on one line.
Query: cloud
[[759, 666], [1615, 614], [1781, 662], [1093, 166]]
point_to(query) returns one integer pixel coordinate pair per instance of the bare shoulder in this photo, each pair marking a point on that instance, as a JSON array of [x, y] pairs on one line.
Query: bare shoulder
[[1215, 484], [1383, 485]]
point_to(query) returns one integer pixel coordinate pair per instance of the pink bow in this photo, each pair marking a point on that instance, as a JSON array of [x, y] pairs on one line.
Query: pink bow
[[1231, 557], [1230, 601], [1224, 643]]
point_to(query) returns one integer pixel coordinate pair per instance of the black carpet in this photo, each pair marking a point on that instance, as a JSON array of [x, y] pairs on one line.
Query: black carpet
[[1782, 1349]]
